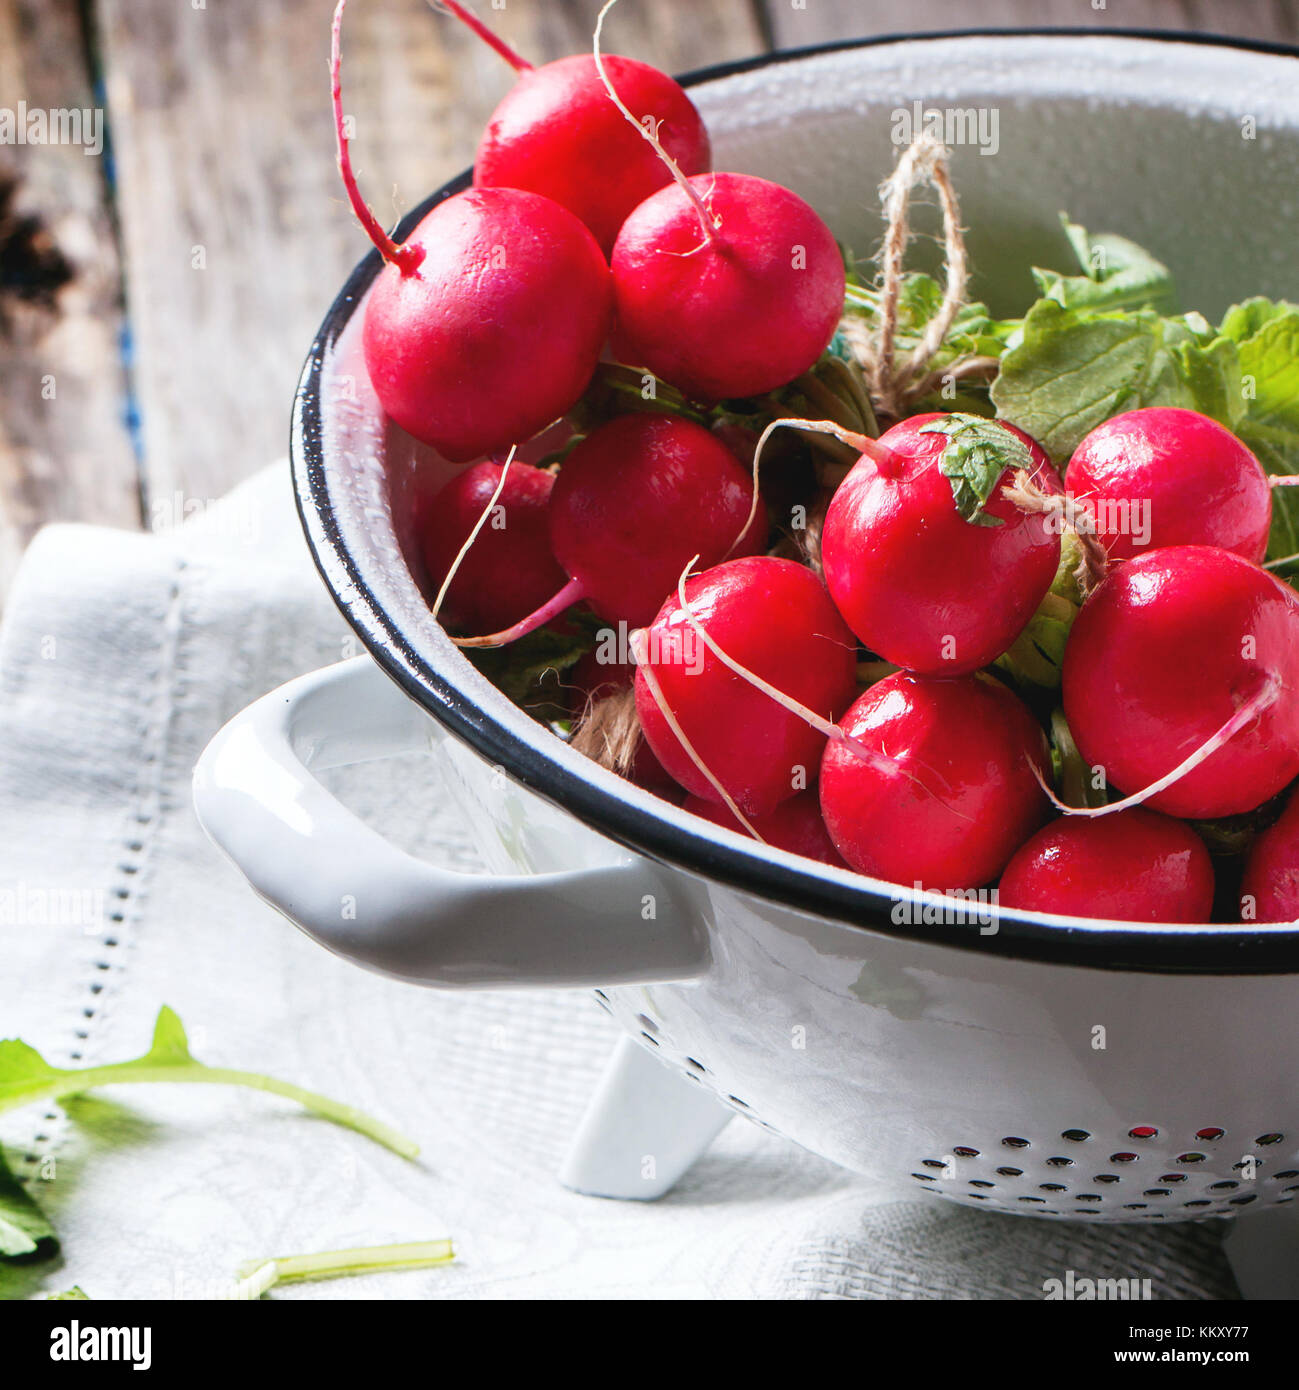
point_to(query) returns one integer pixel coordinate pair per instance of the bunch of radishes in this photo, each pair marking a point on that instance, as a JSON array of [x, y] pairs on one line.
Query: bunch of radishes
[[834, 698]]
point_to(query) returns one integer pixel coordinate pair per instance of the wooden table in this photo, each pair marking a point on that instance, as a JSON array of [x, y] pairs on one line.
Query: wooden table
[[205, 247]]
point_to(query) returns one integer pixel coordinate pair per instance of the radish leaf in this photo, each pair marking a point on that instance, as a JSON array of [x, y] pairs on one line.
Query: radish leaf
[[24, 1230], [1117, 274], [1070, 370], [978, 452], [26, 1077]]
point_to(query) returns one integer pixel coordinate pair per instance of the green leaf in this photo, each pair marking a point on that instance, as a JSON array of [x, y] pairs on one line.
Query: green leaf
[[26, 1077], [1117, 274], [1268, 337], [1245, 319], [1209, 377], [1070, 370], [1036, 656], [25, 1233], [76, 1294], [978, 452], [1269, 363], [618, 388]]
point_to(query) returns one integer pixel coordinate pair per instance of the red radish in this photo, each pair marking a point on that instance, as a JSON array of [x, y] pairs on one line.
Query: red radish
[[509, 569], [1162, 476], [1269, 891], [486, 324], [795, 825], [919, 584], [1136, 866], [729, 287], [961, 795], [775, 618], [634, 502], [558, 134], [1187, 655]]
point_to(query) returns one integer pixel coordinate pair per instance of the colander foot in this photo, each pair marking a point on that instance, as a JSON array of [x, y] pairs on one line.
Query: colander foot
[[645, 1126]]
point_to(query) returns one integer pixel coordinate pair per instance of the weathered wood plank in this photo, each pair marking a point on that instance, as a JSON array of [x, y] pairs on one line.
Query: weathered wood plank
[[65, 451], [235, 231], [797, 22]]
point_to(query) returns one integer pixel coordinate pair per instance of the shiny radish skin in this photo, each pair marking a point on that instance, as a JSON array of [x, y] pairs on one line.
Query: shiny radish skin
[[640, 497], [921, 586], [509, 569], [1162, 655], [775, 618], [795, 826], [961, 796], [491, 326], [740, 311], [557, 133], [1133, 866], [1269, 890], [1197, 483]]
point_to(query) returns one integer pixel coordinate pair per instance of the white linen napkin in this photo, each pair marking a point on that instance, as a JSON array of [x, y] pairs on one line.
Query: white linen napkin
[[120, 656]]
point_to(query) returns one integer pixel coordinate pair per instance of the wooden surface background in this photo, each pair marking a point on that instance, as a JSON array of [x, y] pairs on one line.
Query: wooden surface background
[[206, 246]]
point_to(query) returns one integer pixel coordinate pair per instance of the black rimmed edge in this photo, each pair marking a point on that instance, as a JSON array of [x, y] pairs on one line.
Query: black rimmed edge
[[1097, 945]]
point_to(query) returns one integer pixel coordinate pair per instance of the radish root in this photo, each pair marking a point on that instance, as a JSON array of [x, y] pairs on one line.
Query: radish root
[[572, 592], [471, 21], [1028, 496], [1265, 697]]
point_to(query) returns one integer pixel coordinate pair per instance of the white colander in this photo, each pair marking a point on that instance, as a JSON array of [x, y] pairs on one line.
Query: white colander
[[1064, 1069]]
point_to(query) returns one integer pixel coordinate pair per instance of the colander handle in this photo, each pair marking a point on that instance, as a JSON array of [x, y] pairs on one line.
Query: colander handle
[[352, 891]]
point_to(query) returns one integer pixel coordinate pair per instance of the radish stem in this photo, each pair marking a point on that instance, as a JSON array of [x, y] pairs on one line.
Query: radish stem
[[869, 448], [572, 592], [257, 1277], [472, 21], [405, 258]]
